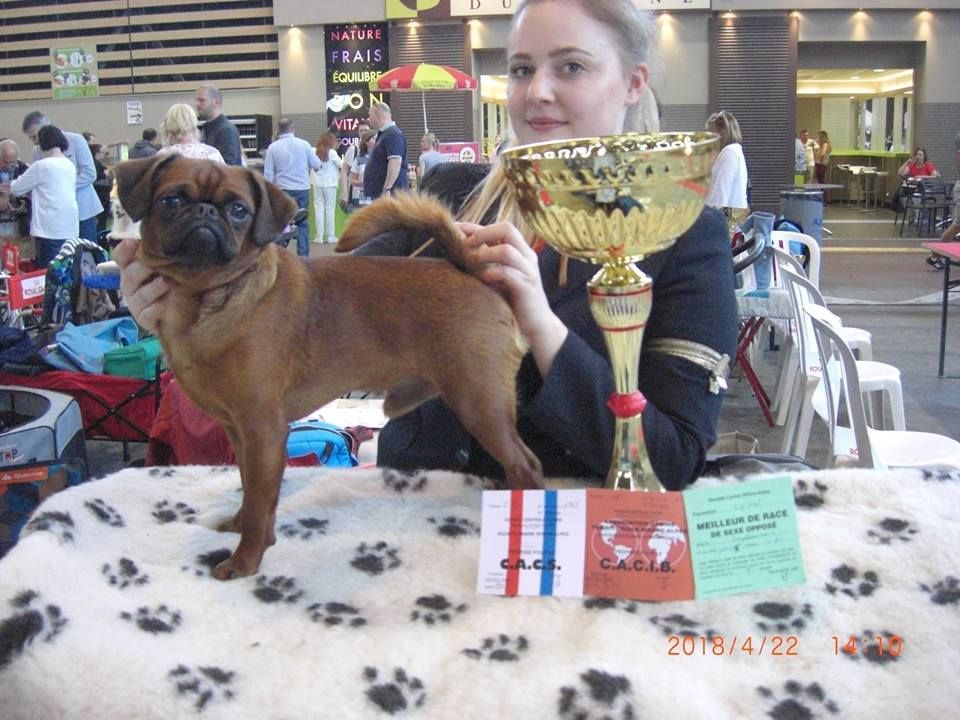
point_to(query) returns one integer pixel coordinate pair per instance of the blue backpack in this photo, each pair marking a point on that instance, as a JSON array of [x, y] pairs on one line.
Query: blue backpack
[[314, 442]]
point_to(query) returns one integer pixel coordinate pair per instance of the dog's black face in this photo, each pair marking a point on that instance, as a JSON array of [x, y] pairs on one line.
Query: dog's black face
[[198, 215], [200, 228]]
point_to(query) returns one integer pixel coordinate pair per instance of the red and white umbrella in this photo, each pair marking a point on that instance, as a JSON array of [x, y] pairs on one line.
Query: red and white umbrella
[[423, 78]]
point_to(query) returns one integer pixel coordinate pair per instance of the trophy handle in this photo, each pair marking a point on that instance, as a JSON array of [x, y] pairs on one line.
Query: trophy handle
[[621, 296]]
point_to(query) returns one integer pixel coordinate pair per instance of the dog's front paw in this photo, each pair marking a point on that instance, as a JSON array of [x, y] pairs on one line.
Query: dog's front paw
[[235, 567]]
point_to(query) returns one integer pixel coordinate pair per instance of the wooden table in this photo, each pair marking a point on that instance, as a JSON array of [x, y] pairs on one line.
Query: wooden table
[[950, 252]]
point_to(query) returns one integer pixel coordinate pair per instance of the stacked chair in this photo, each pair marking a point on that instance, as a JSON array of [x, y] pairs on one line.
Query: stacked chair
[[857, 441], [873, 377]]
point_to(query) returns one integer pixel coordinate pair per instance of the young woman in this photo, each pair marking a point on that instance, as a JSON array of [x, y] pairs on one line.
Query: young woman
[[180, 133], [728, 180], [367, 141], [429, 154], [918, 165], [52, 184], [324, 183], [576, 68], [823, 155]]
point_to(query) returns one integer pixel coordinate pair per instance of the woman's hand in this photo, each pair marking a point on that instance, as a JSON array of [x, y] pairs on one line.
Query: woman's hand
[[141, 288], [500, 257]]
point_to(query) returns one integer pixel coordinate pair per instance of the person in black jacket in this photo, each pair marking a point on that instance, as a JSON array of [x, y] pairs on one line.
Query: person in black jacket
[[217, 129], [573, 72]]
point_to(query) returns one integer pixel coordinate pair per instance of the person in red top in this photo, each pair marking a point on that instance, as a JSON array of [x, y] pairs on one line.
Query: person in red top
[[918, 165]]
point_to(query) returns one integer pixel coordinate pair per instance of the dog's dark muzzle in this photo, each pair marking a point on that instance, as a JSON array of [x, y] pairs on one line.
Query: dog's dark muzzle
[[200, 237]]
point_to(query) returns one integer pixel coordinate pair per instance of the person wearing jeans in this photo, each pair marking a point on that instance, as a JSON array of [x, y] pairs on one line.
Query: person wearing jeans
[[287, 164]]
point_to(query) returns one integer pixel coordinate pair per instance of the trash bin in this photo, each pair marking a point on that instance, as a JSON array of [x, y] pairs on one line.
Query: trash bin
[[804, 208]]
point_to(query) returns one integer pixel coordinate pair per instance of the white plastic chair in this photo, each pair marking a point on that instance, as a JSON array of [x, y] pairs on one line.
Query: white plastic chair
[[782, 239], [859, 340], [870, 448], [872, 376]]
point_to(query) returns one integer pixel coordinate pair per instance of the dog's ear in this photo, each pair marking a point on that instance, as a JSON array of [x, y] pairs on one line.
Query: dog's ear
[[275, 210], [136, 180]]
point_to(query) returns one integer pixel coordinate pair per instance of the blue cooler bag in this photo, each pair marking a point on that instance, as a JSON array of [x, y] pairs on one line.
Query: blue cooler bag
[[314, 442]]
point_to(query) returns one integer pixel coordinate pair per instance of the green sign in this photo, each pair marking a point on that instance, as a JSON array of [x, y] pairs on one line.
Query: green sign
[[73, 72]]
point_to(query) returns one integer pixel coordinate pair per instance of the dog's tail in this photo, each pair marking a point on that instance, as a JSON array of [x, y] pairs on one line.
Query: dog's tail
[[421, 214]]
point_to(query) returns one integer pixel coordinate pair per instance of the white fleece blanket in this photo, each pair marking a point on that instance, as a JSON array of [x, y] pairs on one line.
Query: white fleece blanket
[[365, 608]]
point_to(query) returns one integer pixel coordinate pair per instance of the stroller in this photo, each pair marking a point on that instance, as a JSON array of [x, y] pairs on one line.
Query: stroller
[[292, 228]]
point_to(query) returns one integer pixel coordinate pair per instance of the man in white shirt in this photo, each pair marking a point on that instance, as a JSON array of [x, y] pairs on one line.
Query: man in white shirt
[[287, 164]]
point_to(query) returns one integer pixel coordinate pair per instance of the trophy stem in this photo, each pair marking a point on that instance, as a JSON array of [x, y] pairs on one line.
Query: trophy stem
[[620, 299]]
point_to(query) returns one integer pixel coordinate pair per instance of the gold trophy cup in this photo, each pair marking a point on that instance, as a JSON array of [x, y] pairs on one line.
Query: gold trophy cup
[[613, 201]]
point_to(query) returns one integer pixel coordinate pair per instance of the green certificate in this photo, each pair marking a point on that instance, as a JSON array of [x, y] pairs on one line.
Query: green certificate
[[743, 537]]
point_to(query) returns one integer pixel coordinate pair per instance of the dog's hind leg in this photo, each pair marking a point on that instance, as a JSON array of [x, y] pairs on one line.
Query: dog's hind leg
[[488, 412], [262, 457], [407, 395]]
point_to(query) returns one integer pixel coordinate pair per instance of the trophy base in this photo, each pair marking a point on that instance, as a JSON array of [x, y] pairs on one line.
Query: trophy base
[[621, 296]]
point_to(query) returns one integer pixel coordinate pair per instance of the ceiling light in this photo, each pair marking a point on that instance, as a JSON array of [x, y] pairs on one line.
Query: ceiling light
[[879, 70], [855, 77]]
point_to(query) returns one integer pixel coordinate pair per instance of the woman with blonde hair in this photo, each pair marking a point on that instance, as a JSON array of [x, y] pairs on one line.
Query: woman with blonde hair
[[728, 179], [180, 133], [325, 181], [429, 154], [576, 68]]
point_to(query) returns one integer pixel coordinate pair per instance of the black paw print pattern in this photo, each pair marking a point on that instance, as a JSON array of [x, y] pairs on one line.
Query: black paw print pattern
[[809, 496], [945, 592], [501, 648], [454, 527], [335, 614], [202, 685], [431, 609], [31, 620], [798, 701], [104, 513], [393, 694], [776, 617], [401, 481], [890, 529], [847, 580], [155, 621], [59, 523], [599, 696], [878, 648], [277, 589], [125, 574], [162, 472], [610, 604], [205, 563], [941, 475], [376, 559], [303, 528], [166, 511], [683, 626]]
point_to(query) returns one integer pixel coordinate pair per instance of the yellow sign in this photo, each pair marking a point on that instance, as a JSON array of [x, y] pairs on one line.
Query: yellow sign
[[409, 9]]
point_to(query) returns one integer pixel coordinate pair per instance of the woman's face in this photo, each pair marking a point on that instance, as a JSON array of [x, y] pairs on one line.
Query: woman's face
[[919, 157], [565, 76]]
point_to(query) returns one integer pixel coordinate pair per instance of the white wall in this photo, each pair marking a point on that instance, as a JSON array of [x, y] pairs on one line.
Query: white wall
[[303, 78], [107, 116]]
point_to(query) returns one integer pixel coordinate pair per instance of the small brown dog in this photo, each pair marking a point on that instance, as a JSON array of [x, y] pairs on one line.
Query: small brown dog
[[258, 338]]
